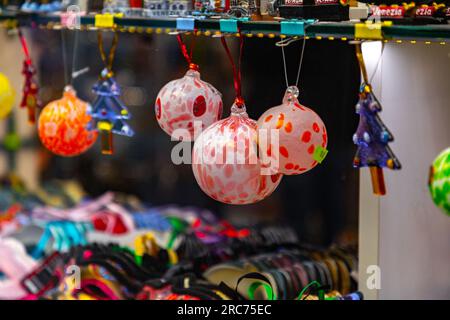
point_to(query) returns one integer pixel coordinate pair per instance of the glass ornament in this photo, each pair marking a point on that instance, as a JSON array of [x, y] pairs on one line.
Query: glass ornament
[[184, 101], [7, 96], [63, 124], [302, 136], [372, 136], [108, 112], [439, 181], [30, 91], [225, 161]]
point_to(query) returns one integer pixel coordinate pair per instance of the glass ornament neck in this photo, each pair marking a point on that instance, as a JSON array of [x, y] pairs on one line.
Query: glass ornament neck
[[239, 110], [69, 92], [106, 74], [291, 95], [193, 73]]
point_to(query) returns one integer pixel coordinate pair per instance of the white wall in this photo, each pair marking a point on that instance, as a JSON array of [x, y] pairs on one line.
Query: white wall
[[413, 244]]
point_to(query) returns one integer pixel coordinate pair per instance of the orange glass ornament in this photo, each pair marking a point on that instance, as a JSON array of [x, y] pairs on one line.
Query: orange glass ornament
[[63, 125]]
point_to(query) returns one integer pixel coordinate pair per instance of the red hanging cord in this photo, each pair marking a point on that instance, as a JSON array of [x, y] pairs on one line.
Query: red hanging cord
[[188, 56], [24, 47], [239, 101]]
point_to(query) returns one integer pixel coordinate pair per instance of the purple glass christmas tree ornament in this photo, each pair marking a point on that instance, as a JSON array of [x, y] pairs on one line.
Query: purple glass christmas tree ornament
[[108, 112], [372, 138]]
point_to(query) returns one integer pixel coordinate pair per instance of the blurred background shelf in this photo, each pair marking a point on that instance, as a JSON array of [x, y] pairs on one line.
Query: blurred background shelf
[[326, 30]]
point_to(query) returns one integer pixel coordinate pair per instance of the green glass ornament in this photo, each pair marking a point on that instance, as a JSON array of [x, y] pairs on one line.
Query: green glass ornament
[[12, 142], [439, 181]]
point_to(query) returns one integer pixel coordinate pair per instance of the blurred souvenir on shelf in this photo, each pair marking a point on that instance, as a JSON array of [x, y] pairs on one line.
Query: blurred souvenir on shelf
[[329, 10], [417, 12], [183, 253], [41, 6], [160, 8]]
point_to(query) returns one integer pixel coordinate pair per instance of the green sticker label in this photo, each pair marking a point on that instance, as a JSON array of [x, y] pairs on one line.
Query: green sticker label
[[319, 154]]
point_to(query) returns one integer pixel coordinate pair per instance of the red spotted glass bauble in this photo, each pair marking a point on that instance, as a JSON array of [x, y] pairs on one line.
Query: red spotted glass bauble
[[226, 164], [63, 125], [302, 136], [183, 102]]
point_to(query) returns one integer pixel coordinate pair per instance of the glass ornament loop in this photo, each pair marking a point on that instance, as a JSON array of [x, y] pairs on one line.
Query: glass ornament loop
[[106, 74], [193, 66], [291, 95], [69, 92], [239, 110], [193, 73]]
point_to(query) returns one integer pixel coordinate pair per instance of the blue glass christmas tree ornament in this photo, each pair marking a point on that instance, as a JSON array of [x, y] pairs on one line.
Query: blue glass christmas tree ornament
[[108, 112], [372, 136]]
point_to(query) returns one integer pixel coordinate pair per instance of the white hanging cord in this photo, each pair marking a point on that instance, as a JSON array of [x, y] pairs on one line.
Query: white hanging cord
[[282, 44], [378, 63]]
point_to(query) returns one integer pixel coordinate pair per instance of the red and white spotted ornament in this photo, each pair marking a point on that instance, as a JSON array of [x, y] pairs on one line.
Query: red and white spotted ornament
[[302, 135], [225, 161], [184, 101]]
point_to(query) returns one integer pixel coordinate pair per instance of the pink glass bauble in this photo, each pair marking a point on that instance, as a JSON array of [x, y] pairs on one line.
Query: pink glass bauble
[[63, 124], [225, 161], [300, 131], [184, 101]]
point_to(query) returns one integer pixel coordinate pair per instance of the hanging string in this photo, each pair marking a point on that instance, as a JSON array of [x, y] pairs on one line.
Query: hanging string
[[239, 101], [299, 64], [184, 51], [108, 61], [64, 54], [362, 65], [24, 47], [69, 72], [74, 56], [378, 62]]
